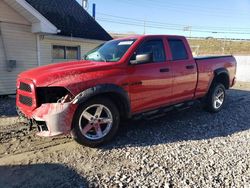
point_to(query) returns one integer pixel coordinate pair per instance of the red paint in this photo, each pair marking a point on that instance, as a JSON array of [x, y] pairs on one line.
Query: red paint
[[156, 89]]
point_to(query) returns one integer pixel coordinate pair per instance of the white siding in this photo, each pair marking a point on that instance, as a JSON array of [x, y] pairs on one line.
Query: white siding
[[2, 60], [7, 14], [20, 45], [46, 48], [17, 42], [243, 68]]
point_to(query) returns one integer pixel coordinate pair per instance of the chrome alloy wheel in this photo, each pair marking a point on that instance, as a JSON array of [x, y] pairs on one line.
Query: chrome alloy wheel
[[219, 97], [95, 122]]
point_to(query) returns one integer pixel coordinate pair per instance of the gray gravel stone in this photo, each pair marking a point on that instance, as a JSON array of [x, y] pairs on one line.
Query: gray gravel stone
[[191, 148]]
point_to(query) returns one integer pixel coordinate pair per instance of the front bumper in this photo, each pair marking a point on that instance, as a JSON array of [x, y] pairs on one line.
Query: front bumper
[[53, 118]]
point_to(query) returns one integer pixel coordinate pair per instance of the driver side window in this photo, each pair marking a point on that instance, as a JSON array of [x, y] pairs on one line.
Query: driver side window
[[154, 47]]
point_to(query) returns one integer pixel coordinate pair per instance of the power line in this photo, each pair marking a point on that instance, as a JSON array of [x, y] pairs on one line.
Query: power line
[[168, 28], [187, 6], [170, 24], [127, 20], [186, 10]]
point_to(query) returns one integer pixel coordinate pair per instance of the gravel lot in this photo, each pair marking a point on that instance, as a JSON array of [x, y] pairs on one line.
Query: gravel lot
[[191, 148]]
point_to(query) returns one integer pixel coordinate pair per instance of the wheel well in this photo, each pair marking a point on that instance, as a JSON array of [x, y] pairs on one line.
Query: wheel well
[[119, 101], [222, 78]]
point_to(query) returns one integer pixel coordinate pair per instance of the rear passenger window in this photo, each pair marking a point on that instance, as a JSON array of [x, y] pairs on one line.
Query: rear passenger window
[[178, 49], [155, 47]]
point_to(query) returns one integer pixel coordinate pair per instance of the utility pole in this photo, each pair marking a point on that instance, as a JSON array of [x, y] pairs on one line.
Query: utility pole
[[93, 10], [144, 26], [190, 31], [85, 4], [188, 28], [224, 45]]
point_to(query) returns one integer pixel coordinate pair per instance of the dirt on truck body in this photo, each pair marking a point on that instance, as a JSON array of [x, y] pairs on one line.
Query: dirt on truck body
[[118, 80]]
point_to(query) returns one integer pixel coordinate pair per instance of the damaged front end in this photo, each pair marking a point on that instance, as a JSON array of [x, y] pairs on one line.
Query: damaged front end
[[50, 109], [53, 119], [55, 112]]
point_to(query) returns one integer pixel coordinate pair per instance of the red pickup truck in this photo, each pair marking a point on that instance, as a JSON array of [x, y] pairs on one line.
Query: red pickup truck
[[120, 79]]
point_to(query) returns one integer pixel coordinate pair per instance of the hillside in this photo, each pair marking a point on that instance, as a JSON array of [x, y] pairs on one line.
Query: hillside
[[211, 46], [219, 47]]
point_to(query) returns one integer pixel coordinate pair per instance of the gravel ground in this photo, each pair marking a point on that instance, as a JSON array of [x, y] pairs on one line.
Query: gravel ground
[[191, 148]]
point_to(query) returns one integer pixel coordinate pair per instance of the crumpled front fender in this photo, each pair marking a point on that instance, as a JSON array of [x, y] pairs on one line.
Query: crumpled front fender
[[57, 116]]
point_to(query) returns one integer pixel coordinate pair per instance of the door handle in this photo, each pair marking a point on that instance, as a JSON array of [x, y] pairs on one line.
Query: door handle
[[190, 67], [164, 70]]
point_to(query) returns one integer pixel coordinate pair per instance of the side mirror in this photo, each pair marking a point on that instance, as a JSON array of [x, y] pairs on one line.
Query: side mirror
[[142, 58]]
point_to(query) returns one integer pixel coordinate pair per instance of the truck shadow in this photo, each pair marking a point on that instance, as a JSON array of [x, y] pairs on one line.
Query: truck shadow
[[8, 106], [40, 175], [191, 124]]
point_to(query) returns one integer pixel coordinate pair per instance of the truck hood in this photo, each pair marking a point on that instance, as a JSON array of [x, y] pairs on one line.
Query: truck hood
[[47, 75]]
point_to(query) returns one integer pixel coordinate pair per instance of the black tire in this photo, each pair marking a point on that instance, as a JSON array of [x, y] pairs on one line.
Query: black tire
[[211, 97], [76, 132]]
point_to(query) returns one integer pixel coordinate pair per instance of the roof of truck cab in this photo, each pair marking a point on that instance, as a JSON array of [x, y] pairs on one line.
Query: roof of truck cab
[[147, 36]]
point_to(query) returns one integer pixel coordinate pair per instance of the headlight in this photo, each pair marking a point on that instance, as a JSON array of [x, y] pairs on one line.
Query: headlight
[[52, 95]]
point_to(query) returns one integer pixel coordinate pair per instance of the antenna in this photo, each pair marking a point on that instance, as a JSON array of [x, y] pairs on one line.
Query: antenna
[[85, 4]]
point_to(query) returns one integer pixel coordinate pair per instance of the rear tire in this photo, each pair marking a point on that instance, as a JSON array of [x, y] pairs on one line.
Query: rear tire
[[216, 98], [95, 122]]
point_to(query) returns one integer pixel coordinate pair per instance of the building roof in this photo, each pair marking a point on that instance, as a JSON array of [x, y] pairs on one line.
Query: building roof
[[70, 18]]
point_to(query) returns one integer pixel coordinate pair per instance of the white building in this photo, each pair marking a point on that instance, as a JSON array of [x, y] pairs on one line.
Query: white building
[[40, 32]]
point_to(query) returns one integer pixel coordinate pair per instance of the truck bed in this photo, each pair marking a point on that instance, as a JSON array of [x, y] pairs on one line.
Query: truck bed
[[206, 67], [211, 57]]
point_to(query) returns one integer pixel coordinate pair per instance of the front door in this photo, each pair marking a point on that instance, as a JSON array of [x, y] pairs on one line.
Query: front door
[[150, 84]]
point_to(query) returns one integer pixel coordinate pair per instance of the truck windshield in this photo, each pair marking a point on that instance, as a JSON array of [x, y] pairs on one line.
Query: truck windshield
[[111, 51]]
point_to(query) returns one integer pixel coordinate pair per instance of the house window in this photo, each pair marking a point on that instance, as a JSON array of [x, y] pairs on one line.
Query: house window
[[66, 52]]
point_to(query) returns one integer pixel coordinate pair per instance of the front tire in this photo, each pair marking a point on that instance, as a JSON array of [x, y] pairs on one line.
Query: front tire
[[95, 122], [216, 98]]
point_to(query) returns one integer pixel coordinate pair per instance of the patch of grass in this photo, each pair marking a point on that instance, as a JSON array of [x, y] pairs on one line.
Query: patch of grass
[[219, 47]]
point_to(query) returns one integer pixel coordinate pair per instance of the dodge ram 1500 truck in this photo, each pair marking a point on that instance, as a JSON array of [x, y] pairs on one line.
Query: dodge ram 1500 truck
[[120, 79]]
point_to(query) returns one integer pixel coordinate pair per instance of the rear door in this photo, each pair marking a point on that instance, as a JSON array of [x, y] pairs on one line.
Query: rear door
[[184, 70], [150, 84]]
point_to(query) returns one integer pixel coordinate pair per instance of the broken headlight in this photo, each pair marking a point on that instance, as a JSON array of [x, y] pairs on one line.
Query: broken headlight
[[52, 95]]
